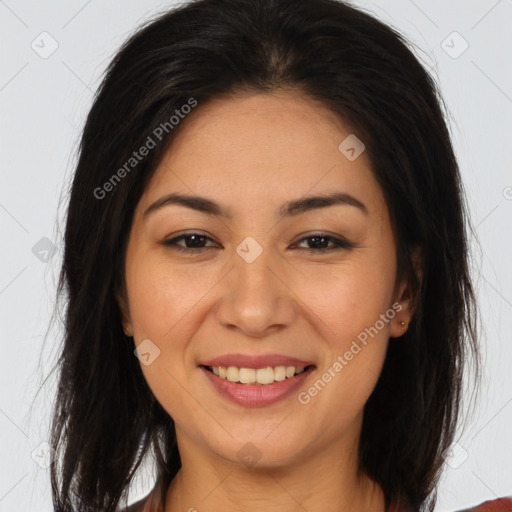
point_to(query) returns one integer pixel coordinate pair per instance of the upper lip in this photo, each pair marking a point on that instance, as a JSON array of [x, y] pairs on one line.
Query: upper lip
[[259, 361]]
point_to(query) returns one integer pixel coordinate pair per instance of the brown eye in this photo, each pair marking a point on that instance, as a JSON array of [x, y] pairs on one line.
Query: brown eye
[[194, 242], [320, 241]]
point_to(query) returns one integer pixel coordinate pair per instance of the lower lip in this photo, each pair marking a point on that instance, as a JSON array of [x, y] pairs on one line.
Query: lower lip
[[257, 395]]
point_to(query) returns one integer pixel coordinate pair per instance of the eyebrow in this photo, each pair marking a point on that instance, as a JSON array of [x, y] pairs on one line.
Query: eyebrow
[[289, 209]]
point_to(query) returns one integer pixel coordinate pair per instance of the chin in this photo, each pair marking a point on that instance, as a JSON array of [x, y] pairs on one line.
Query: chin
[[259, 452]]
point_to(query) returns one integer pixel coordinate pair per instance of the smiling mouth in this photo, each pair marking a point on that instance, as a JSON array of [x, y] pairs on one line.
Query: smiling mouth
[[258, 376]]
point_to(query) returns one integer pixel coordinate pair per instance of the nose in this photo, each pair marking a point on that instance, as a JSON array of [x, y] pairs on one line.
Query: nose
[[255, 297]]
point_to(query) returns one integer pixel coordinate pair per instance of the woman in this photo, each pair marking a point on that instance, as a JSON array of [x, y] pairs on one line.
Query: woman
[[266, 269]]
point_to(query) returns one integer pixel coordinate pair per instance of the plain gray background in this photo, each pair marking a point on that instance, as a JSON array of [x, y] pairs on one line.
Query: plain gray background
[[52, 57]]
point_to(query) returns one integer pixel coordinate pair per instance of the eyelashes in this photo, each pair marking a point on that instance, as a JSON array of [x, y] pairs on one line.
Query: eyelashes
[[197, 239]]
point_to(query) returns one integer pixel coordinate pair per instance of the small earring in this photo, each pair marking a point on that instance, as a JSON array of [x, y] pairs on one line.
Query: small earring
[[129, 334], [402, 324]]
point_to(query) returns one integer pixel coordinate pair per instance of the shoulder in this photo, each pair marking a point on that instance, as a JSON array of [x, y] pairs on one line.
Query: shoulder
[[497, 505]]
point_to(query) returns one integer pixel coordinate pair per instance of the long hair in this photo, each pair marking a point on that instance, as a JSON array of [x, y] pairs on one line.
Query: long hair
[[105, 418]]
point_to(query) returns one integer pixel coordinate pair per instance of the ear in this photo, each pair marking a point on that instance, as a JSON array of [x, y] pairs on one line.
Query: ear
[[405, 299], [125, 312]]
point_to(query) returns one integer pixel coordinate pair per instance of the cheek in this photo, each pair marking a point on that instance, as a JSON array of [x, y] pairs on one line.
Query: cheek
[[348, 299], [161, 297], [162, 303], [352, 314], [355, 342]]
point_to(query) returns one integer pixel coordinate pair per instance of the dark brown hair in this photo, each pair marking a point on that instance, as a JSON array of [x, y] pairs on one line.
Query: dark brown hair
[[105, 417]]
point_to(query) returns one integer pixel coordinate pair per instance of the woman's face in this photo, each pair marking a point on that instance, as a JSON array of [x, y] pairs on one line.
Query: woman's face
[[255, 289]]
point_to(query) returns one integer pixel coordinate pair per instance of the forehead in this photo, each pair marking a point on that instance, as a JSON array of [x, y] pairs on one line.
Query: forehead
[[254, 147]]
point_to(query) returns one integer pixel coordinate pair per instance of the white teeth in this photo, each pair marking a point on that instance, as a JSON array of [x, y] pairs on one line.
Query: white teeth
[[232, 373], [247, 375], [280, 373], [266, 375]]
